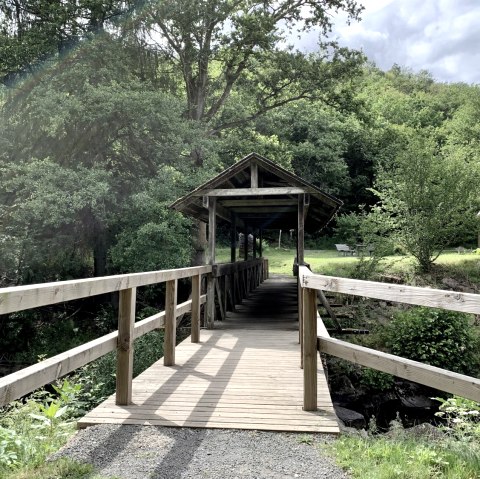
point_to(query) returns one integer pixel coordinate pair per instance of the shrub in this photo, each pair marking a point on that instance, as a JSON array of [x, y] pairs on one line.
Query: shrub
[[376, 380], [435, 336]]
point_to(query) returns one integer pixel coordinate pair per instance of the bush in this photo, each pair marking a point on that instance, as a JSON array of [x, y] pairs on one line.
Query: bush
[[376, 380], [435, 336]]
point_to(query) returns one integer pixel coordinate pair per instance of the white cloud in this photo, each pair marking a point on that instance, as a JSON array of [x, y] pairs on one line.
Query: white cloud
[[441, 36]]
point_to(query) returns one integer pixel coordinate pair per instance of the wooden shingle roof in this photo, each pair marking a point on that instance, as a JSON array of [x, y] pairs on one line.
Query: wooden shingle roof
[[272, 204]]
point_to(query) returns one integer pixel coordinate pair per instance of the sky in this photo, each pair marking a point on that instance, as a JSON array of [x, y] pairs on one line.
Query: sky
[[441, 36]]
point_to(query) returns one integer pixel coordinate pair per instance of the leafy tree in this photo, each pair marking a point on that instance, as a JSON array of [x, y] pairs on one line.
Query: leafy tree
[[33, 31], [77, 144], [227, 55], [428, 196]]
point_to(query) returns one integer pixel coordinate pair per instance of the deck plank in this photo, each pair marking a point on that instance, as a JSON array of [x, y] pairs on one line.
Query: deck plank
[[245, 374]]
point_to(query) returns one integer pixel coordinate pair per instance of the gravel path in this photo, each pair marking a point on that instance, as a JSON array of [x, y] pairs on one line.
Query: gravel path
[[137, 452]]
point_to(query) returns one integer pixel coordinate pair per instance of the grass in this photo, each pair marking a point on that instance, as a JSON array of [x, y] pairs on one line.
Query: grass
[[380, 457], [281, 260], [328, 262], [60, 469]]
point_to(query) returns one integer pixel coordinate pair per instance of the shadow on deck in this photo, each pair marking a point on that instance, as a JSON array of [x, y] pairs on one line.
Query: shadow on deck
[[244, 374]]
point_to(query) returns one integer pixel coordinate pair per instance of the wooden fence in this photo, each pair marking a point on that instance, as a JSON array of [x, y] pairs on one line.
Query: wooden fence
[[244, 275], [315, 336]]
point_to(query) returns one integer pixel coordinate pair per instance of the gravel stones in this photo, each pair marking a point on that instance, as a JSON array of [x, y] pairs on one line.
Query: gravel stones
[[137, 452]]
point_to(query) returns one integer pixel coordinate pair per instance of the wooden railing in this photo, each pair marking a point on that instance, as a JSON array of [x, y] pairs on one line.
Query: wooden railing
[[246, 275], [315, 336]]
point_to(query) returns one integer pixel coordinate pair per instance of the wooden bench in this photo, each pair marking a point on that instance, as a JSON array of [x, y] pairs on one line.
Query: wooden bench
[[345, 249]]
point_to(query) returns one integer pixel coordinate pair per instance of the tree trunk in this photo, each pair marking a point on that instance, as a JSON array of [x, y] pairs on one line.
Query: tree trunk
[[199, 237]]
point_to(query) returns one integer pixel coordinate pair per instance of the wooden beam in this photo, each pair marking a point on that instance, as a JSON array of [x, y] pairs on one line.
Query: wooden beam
[[264, 209], [309, 350], [331, 313], [19, 298], [259, 202], [431, 376], [228, 192], [212, 229], [254, 174], [434, 298], [220, 210], [170, 323], [126, 320]]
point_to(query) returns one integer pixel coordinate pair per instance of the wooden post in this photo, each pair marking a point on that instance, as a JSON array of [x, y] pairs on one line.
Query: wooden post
[[309, 349], [245, 244], [170, 323], [233, 238], [233, 290], [253, 175], [254, 246], [218, 289], [224, 294], [210, 307], [126, 320], [301, 231], [196, 292], [212, 227], [300, 319], [260, 247]]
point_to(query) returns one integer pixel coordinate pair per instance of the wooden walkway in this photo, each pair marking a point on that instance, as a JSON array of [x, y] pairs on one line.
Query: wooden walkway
[[244, 374]]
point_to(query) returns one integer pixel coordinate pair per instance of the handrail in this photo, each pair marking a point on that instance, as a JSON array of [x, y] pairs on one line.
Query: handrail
[[311, 322], [28, 379], [18, 298], [438, 378], [433, 298]]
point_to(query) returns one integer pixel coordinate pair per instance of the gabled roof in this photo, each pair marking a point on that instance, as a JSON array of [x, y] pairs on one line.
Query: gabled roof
[[270, 206]]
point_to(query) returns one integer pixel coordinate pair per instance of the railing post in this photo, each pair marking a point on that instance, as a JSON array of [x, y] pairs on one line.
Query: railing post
[[300, 291], [196, 292], [210, 309], [170, 323], [309, 349], [126, 320]]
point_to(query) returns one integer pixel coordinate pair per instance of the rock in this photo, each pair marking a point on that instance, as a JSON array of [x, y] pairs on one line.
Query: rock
[[344, 387], [350, 418], [463, 287], [420, 401]]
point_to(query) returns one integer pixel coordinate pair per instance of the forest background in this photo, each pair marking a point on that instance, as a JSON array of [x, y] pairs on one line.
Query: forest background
[[110, 110]]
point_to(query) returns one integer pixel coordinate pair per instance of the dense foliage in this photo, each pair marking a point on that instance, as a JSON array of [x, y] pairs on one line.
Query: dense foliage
[[435, 336], [109, 110]]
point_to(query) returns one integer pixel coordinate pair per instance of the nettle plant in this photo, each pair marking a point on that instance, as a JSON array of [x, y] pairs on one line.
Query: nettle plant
[[462, 417], [31, 430]]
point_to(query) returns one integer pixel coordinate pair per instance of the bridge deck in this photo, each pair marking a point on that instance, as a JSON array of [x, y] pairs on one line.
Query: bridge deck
[[244, 374]]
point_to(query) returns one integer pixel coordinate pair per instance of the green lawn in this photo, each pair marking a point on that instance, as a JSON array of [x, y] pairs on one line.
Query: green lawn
[[329, 262]]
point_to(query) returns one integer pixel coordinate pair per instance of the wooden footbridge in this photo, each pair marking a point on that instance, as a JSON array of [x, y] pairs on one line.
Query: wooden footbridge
[[255, 363]]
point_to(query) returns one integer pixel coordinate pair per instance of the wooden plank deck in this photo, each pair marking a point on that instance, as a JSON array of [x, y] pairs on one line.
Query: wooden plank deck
[[243, 375]]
